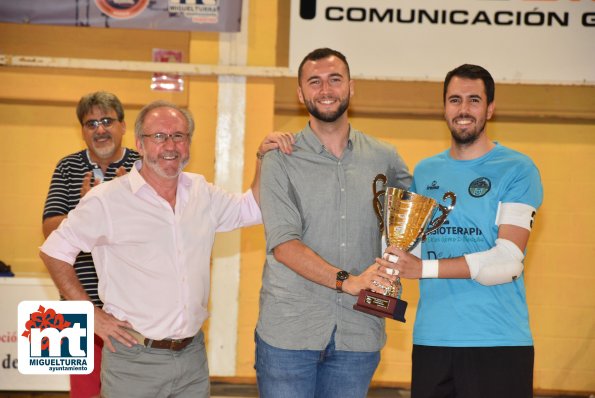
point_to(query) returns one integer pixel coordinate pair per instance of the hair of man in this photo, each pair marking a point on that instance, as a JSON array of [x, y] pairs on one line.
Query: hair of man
[[140, 119], [321, 53], [101, 99], [473, 72]]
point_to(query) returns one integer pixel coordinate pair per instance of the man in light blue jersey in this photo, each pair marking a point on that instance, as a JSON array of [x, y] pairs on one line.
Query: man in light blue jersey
[[471, 336]]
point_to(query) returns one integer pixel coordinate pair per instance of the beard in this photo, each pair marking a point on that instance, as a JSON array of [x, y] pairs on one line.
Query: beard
[[169, 172], [330, 116], [106, 150], [466, 136]]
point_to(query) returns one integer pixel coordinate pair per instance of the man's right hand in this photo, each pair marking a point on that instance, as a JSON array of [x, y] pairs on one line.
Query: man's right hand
[[106, 326], [277, 140], [374, 278]]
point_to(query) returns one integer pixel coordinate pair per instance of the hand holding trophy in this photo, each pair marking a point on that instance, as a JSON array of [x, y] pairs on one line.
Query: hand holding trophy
[[402, 219]]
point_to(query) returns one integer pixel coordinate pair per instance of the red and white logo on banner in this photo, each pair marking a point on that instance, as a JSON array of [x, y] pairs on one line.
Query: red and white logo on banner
[[122, 9]]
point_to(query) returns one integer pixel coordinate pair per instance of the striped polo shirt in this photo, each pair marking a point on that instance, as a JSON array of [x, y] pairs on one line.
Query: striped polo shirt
[[65, 193]]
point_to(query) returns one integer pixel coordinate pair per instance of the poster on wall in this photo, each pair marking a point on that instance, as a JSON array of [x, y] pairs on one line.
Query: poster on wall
[[184, 15], [162, 81], [518, 41]]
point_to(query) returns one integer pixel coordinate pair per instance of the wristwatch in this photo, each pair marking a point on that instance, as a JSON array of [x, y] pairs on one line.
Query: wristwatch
[[341, 277]]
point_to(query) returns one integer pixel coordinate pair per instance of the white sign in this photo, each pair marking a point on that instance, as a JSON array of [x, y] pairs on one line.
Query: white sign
[[56, 337], [12, 292], [528, 41]]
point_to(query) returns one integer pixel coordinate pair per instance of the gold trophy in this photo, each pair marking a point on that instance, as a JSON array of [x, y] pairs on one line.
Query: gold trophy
[[403, 219]]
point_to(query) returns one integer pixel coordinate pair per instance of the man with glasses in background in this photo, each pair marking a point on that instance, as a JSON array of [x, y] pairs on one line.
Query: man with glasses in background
[[151, 233], [102, 124]]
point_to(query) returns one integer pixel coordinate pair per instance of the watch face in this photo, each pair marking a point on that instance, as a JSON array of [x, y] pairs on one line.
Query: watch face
[[342, 275]]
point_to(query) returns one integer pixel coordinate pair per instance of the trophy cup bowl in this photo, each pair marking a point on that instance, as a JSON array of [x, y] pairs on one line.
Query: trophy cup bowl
[[403, 219]]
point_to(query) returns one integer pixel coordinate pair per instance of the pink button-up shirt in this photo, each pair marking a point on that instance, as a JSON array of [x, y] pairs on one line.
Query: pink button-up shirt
[[153, 263]]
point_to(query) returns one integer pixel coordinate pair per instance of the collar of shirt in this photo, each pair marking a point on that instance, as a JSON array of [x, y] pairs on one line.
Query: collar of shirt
[[314, 143], [113, 164], [141, 188]]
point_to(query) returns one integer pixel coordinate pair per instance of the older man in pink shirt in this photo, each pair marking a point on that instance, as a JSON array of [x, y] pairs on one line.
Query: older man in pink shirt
[[151, 233]]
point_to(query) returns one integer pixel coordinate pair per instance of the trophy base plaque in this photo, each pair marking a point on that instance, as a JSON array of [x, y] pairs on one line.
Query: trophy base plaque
[[380, 305]]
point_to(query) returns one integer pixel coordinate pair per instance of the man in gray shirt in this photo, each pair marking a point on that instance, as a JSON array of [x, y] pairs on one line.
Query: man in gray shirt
[[322, 242]]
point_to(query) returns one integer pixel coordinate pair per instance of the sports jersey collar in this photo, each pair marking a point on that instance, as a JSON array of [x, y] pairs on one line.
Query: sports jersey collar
[[481, 159]]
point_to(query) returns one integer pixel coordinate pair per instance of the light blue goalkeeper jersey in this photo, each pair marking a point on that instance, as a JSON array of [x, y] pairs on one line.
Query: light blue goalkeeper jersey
[[462, 312]]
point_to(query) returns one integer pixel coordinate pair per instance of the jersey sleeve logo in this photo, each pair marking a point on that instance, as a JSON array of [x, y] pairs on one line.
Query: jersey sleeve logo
[[479, 187]]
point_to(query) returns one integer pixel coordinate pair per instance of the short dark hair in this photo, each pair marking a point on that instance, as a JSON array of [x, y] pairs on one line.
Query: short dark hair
[[468, 71], [321, 53], [104, 100]]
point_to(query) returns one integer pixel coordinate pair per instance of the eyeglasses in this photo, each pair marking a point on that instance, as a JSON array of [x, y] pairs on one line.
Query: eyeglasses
[[94, 124], [160, 138]]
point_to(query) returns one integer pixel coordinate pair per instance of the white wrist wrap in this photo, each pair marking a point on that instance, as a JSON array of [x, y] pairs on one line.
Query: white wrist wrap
[[429, 269], [518, 214], [503, 263]]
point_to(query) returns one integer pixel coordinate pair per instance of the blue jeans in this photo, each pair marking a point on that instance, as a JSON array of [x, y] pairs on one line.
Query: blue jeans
[[313, 374]]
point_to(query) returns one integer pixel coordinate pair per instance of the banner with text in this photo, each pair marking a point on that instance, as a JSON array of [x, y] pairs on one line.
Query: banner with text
[[527, 41], [194, 15]]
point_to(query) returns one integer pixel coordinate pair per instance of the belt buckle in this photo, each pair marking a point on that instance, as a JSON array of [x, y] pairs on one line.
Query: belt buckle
[[174, 343]]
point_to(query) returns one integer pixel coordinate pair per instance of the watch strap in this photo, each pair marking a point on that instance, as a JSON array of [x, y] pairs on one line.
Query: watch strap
[[341, 277]]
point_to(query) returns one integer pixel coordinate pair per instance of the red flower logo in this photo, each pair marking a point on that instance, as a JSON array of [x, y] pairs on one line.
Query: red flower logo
[[43, 319]]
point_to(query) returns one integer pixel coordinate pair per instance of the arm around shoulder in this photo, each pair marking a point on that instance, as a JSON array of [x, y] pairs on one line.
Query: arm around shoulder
[[275, 140]]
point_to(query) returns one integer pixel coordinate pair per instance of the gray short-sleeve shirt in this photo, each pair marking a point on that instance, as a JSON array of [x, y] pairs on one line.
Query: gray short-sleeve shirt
[[326, 203]]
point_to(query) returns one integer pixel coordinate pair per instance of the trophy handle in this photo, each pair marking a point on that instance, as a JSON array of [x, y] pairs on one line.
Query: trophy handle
[[378, 207], [445, 210]]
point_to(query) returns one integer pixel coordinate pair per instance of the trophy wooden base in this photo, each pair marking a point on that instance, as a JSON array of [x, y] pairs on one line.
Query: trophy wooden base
[[380, 305]]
